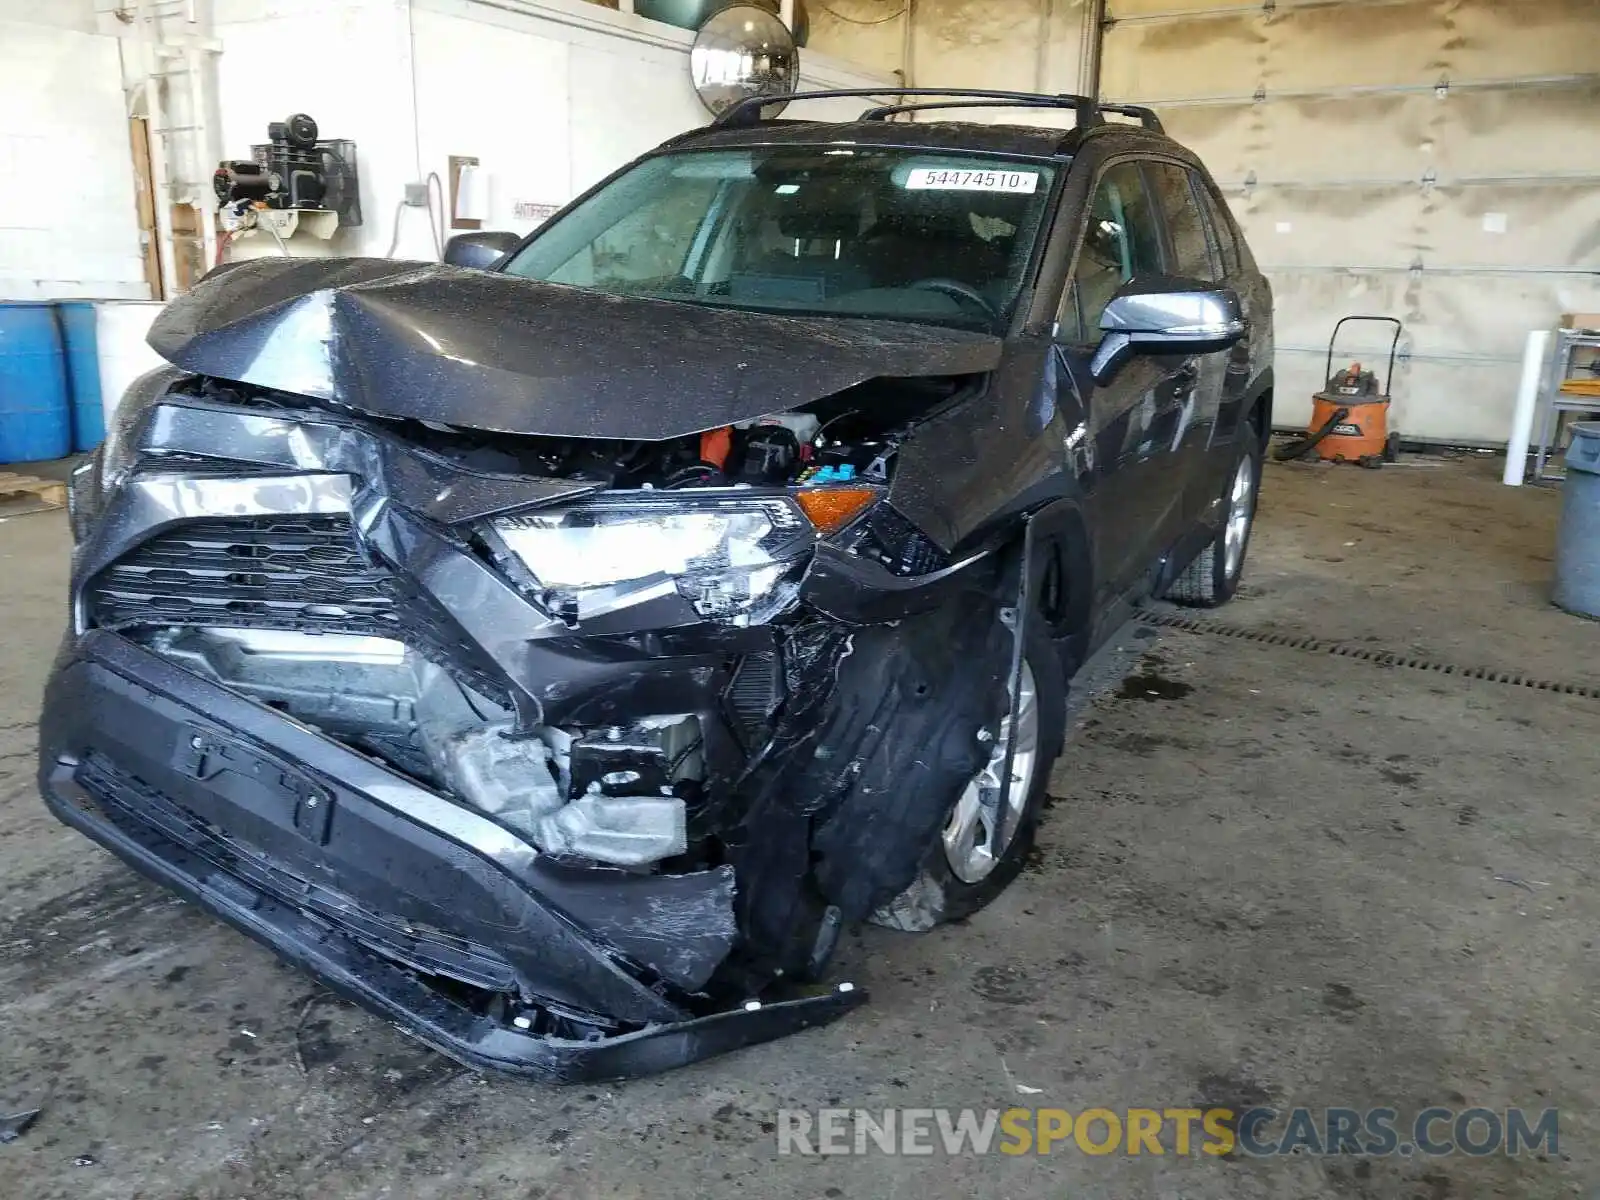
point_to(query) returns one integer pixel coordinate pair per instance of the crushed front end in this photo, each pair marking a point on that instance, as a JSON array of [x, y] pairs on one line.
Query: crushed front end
[[571, 755]]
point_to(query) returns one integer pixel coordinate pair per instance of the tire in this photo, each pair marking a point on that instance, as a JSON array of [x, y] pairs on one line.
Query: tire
[[941, 892], [1213, 577]]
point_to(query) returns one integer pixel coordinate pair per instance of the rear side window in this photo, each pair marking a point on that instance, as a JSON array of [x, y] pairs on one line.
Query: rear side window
[[1180, 206], [1221, 228], [1120, 244]]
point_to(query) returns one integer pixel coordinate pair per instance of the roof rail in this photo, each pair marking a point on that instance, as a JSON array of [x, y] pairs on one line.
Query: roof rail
[[1087, 109], [883, 112], [1147, 116]]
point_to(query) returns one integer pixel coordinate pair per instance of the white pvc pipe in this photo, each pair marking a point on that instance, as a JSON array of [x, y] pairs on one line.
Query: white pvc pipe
[[1533, 361]]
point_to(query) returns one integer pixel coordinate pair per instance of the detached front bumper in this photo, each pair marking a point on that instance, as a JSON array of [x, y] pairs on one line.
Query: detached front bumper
[[378, 885]]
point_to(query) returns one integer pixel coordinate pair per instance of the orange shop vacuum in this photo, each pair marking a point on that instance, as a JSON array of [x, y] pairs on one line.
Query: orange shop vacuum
[[1350, 415]]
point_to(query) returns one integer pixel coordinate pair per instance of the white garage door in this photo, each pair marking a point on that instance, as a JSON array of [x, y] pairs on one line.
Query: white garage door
[[1433, 160]]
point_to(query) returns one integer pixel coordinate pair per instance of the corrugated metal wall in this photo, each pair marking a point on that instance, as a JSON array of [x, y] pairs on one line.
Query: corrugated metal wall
[[1434, 160], [1034, 45]]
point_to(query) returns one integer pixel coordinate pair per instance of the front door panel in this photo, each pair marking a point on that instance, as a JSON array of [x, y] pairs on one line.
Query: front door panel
[[1136, 424]]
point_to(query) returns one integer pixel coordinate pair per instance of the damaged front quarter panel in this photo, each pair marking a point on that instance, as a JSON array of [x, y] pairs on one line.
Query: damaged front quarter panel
[[882, 730]]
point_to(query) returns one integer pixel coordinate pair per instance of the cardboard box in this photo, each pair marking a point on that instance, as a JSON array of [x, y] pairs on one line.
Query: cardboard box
[[1580, 320]]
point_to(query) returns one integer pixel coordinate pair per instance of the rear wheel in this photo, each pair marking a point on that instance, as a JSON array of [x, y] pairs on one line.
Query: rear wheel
[[976, 853], [1213, 577]]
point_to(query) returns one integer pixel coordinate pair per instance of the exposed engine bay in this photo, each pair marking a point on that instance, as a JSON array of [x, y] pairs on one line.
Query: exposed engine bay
[[849, 436]]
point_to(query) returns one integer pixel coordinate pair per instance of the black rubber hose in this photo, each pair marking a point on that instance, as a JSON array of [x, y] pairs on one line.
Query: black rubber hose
[[1301, 447], [700, 474]]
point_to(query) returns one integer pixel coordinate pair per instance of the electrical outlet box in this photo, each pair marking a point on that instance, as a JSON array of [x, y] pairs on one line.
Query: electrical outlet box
[[417, 195]]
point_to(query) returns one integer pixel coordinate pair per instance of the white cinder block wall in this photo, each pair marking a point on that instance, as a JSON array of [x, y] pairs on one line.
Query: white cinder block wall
[[348, 64], [549, 95], [68, 221], [57, 14]]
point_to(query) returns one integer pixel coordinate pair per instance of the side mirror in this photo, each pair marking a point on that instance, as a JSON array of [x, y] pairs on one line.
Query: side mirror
[[481, 248], [1174, 316]]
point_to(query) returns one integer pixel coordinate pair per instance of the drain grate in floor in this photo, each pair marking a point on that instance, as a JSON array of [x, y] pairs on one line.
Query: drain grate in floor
[[1381, 658]]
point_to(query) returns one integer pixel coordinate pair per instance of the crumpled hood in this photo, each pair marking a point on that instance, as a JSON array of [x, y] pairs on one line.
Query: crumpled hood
[[495, 352]]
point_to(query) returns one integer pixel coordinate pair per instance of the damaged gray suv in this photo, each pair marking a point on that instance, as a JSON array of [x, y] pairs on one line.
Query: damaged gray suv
[[555, 657]]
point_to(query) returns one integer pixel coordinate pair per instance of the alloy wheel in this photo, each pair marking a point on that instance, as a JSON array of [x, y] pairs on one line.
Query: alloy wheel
[[970, 843], [1241, 511]]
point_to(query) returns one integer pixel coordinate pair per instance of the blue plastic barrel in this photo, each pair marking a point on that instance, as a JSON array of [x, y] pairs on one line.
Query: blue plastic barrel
[[34, 422], [1578, 538], [83, 373]]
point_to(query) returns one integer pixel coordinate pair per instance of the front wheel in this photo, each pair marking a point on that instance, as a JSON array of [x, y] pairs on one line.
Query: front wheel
[[976, 854], [1213, 577]]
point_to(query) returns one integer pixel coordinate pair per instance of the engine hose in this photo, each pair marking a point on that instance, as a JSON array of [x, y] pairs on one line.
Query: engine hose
[[1301, 447], [700, 474]]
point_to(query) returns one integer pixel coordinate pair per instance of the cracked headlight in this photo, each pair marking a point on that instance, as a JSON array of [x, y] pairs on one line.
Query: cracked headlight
[[732, 556]]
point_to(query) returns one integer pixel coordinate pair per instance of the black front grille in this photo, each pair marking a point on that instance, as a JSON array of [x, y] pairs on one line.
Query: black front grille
[[283, 572], [305, 573]]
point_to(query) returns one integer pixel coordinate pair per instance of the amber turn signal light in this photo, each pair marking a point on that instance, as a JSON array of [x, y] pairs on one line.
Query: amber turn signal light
[[832, 508]]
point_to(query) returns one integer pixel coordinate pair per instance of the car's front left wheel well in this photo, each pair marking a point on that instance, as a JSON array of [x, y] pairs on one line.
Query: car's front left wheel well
[[1062, 589], [1260, 418]]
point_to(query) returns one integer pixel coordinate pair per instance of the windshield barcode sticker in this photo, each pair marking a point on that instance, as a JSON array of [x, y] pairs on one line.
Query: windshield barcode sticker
[[948, 179]]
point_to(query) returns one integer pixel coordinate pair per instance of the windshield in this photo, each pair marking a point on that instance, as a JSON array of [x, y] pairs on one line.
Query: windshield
[[846, 231]]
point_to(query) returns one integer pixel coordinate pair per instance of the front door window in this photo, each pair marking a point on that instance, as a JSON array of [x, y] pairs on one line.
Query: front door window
[[1120, 244]]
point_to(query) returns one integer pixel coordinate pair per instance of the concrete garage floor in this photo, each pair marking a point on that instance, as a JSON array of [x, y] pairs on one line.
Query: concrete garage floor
[[1269, 875]]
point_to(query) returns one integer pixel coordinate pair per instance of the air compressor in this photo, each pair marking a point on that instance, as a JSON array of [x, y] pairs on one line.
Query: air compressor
[[1350, 416]]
